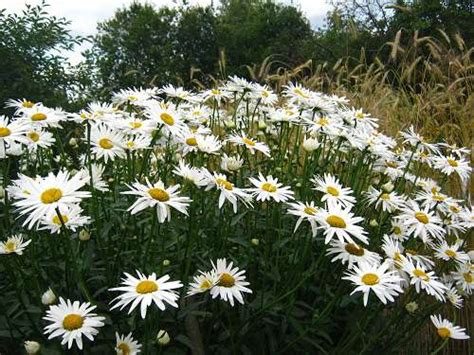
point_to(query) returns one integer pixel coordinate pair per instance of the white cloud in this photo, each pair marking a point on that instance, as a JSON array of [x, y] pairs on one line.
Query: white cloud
[[84, 14]]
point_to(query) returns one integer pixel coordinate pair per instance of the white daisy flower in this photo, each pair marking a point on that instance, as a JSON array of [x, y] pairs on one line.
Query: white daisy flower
[[451, 164], [251, 144], [304, 211], [231, 282], [376, 278], [447, 252], [136, 143], [106, 143], [146, 290], [267, 188], [423, 279], [157, 195], [136, 97], [126, 345], [453, 296], [464, 277], [296, 93], [20, 105], [39, 138], [97, 180], [166, 117], [42, 196], [190, 173], [445, 329], [421, 223], [11, 133], [14, 244], [40, 116], [227, 190], [208, 144], [335, 220], [231, 163], [71, 320], [389, 201], [466, 216], [203, 282], [333, 190], [70, 216], [352, 254]]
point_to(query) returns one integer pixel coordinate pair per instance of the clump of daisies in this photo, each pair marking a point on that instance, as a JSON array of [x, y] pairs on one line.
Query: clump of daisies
[[324, 214]]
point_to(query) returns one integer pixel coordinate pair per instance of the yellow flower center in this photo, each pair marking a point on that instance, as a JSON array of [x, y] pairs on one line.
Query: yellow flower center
[[191, 141], [159, 194], [132, 98], [323, 121], [411, 251], [454, 209], [205, 284], [450, 253], [421, 274], [332, 191], [34, 136], [146, 286], [336, 221], [167, 118], [51, 195], [439, 198], [422, 217], [223, 182], [269, 187], [453, 163], [391, 164], [106, 143], [215, 92], [397, 230], [370, 279], [72, 322], [130, 144], [226, 280], [444, 332], [136, 124], [4, 132], [359, 115], [39, 116], [310, 210], [385, 197], [354, 249], [10, 246], [124, 348], [467, 277], [57, 220], [248, 142], [27, 104]]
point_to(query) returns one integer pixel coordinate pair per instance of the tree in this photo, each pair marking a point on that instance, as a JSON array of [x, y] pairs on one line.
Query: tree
[[32, 61]]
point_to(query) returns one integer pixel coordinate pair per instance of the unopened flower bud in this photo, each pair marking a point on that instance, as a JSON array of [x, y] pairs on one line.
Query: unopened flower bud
[[262, 125], [48, 297], [388, 187], [373, 223], [32, 347], [310, 144], [162, 337], [84, 235], [411, 307], [73, 142], [166, 262], [255, 241], [2, 192]]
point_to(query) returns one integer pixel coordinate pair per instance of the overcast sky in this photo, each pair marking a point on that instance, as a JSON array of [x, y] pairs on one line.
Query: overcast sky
[[84, 14]]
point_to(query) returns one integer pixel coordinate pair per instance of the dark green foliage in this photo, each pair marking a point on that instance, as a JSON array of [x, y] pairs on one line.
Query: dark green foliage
[[32, 63]]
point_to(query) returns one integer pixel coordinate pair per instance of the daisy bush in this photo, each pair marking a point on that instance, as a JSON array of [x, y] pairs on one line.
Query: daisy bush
[[236, 219]]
